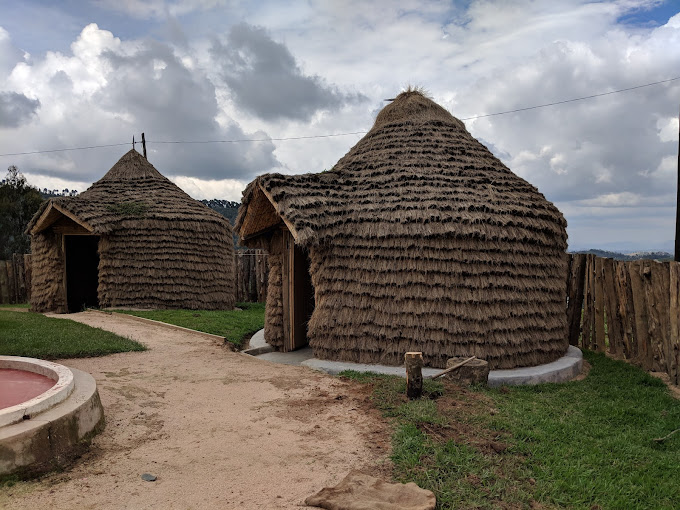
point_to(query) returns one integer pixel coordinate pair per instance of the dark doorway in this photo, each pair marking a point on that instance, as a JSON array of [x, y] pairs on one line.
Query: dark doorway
[[298, 294], [82, 272]]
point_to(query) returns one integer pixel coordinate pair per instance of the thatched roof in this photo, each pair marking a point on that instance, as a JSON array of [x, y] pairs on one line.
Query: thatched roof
[[424, 241], [159, 247], [131, 190], [419, 173]]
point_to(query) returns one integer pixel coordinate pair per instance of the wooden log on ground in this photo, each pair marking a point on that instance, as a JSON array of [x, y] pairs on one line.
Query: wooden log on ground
[[577, 271], [599, 340], [454, 367], [413, 361]]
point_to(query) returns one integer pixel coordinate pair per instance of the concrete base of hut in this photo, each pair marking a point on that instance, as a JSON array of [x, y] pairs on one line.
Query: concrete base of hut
[[561, 370]]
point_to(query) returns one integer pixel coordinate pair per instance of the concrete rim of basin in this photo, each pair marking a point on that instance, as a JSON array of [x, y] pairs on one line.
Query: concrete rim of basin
[[61, 390]]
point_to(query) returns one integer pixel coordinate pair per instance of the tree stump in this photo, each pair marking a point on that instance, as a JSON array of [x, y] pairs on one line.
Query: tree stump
[[473, 372], [413, 361]]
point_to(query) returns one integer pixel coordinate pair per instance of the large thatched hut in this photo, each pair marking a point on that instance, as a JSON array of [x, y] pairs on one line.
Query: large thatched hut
[[418, 239], [133, 239]]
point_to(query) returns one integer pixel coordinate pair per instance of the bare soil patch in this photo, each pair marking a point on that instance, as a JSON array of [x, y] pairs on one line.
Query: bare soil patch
[[219, 430]]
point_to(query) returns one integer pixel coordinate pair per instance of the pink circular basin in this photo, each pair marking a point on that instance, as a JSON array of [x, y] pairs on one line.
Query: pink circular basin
[[18, 386]]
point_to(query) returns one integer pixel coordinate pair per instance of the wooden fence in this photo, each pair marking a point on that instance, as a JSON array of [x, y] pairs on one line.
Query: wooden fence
[[627, 309], [252, 275], [15, 279]]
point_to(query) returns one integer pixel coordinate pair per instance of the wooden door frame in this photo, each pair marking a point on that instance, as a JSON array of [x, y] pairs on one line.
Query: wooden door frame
[[294, 331]]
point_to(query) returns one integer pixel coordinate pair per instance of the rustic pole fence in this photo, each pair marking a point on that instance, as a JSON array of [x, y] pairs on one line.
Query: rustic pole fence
[[630, 310], [15, 279], [252, 275]]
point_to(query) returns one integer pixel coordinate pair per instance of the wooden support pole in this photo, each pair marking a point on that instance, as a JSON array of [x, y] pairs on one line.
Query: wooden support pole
[[413, 361], [144, 146]]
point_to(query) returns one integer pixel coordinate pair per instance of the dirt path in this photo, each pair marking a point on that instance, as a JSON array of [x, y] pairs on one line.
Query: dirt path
[[218, 429]]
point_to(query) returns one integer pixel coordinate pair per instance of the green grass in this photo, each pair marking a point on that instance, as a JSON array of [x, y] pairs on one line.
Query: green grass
[[234, 325], [19, 305], [585, 444], [36, 336]]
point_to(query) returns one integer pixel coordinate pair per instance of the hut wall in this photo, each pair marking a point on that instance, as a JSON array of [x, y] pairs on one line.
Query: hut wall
[[273, 319], [47, 282], [170, 264], [498, 300]]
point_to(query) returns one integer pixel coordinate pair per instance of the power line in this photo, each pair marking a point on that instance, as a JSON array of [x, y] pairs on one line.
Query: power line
[[68, 149], [241, 140], [571, 100], [261, 139]]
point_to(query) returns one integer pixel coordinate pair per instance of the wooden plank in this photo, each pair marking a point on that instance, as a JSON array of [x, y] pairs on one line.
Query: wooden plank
[[599, 341], [659, 305], [626, 308], [4, 286], [11, 282], [28, 275], [285, 290], [652, 282], [575, 284], [614, 324], [588, 325], [19, 275], [643, 357], [674, 320]]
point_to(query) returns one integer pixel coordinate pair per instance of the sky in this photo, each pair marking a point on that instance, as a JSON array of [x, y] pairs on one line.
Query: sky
[[272, 79]]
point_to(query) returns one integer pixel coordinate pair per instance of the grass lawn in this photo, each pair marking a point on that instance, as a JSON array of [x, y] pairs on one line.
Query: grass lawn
[[37, 336], [584, 444], [234, 325]]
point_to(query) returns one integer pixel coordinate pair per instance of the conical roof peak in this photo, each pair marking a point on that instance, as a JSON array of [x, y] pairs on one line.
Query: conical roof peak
[[414, 106], [132, 166]]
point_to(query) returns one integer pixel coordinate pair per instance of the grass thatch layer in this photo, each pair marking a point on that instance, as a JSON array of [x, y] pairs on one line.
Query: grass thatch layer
[[420, 239], [158, 247], [47, 281]]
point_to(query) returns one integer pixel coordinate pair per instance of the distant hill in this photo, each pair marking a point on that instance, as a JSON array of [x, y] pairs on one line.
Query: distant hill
[[54, 193], [651, 255], [226, 208]]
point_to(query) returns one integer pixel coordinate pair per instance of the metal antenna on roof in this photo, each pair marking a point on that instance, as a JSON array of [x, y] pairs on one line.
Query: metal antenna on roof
[[144, 145], [133, 141]]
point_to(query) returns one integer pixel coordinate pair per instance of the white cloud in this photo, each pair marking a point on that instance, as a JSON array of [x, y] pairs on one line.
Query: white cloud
[[483, 57]]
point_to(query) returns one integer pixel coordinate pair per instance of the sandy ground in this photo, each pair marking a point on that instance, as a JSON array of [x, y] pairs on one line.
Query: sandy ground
[[218, 429]]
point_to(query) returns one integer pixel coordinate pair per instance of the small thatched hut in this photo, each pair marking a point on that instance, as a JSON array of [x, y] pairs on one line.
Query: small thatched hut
[[133, 239], [419, 239]]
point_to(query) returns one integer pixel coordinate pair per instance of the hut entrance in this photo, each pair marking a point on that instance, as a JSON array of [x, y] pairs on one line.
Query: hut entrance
[[298, 294], [82, 271]]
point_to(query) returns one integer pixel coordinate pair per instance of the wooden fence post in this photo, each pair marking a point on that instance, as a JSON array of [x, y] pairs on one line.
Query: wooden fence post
[[674, 333], [588, 326], [577, 272], [612, 312], [599, 340], [28, 275], [414, 374]]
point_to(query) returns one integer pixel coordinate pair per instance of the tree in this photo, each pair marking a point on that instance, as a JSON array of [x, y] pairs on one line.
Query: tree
[[18, 204]]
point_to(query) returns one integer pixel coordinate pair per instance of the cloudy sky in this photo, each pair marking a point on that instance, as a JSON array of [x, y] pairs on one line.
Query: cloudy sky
[[78, 74]]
